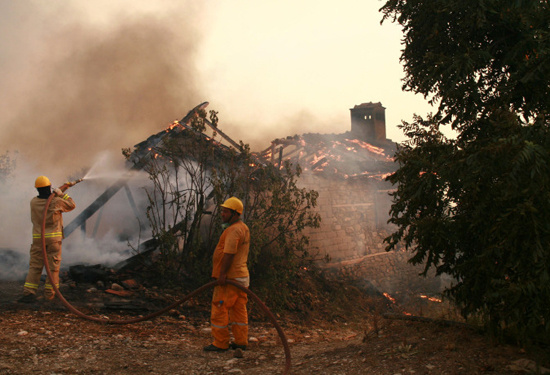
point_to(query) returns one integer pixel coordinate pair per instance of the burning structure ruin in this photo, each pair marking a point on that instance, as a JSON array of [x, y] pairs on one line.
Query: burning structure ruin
[[347, 170], [362, 152]]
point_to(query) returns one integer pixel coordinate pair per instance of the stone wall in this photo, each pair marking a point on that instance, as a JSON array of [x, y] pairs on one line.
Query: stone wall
[[354, 224]]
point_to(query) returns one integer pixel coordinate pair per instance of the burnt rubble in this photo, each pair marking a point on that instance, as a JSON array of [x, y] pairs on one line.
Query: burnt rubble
[[333, 155]]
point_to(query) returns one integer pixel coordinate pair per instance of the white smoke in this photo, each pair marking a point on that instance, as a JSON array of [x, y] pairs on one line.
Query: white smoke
[[107, 250], [111, 233]]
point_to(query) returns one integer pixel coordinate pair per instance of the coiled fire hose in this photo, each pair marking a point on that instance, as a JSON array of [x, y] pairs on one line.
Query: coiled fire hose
[[209, 285]]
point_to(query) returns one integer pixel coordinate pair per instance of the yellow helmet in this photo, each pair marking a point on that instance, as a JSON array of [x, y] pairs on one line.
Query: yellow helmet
[[234, 204], [42, 181]]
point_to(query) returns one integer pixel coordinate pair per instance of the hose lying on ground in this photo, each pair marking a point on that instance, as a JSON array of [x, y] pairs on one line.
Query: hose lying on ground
[[211, 284]]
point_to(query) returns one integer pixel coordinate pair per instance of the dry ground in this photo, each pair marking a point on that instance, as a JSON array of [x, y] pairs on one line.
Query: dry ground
[[44, 338]]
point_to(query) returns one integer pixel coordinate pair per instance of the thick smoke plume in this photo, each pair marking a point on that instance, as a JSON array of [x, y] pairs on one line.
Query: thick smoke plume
[[73, 89], [89, 89]]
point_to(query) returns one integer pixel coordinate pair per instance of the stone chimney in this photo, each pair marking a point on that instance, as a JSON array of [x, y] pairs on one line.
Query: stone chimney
[[368, 122]]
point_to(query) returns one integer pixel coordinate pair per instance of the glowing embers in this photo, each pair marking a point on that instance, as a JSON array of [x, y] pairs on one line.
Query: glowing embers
[[432, 299], [367, 174], [389, 297], [394, 304], [173, 125], [337, 155], [375, 150]]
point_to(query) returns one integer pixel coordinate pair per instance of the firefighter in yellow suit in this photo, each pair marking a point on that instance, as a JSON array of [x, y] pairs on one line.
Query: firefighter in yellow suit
[[229, 263], [53, 236]]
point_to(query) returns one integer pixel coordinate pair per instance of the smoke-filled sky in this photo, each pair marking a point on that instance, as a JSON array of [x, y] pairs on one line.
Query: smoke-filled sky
[[82, 77]]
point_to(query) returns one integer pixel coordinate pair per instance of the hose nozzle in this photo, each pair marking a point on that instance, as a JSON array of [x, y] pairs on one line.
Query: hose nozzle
[[73, 183]]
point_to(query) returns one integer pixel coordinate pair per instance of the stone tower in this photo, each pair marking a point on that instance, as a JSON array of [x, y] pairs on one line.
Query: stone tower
[[368, 122]]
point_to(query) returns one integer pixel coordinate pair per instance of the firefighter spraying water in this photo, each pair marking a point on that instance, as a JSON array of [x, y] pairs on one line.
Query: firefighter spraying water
[[52, 231]]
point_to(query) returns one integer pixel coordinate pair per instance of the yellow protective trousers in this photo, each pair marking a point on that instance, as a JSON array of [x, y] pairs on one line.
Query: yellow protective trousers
[[229, 308], [36, 265]]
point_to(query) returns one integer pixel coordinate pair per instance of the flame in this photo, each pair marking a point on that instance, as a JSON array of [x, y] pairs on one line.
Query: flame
[[375, 150], [389, 297], [322, 166], [422, 173], [321, 152], [378, 177], [347, 147], [368, 146], [317, 157], [433, 299], [172, 125]]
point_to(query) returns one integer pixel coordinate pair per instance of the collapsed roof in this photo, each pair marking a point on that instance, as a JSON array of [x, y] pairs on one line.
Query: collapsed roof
[[362, 153], [337, 155]]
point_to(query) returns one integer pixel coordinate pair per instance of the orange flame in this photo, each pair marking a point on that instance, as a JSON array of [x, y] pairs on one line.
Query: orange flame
[[172, 125], [433, 299], [389, 297]]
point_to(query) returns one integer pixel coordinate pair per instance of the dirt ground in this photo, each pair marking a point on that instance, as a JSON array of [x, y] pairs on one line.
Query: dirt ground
[[46, 338]]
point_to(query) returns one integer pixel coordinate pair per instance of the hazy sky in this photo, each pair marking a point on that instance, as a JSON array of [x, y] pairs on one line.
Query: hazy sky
[[299, 66], [82, 77]]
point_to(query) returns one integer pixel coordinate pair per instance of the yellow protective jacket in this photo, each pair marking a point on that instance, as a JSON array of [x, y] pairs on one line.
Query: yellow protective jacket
[[234, 240], [54, 218]]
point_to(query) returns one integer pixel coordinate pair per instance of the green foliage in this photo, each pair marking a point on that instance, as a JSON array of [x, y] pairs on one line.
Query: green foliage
[[478, 207], [179, 172], [480, 211], [476, 55], [277, 211], [192, 175]]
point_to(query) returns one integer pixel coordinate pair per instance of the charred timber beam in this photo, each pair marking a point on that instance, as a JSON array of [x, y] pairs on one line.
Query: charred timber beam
[[230, 140], [225, 136], [139, 157], [81, 219], [319, 163], [142, 149]]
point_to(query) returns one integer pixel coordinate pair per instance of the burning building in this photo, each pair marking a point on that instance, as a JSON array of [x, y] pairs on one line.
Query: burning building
[[347, 170]]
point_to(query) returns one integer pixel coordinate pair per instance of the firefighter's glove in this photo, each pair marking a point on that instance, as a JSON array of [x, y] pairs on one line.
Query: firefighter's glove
[[58, 192]]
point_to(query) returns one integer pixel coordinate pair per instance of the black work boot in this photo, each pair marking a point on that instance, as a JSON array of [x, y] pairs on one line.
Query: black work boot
[[213, 348]]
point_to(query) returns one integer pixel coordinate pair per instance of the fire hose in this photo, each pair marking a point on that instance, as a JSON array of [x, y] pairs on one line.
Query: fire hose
[[211, 284]]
